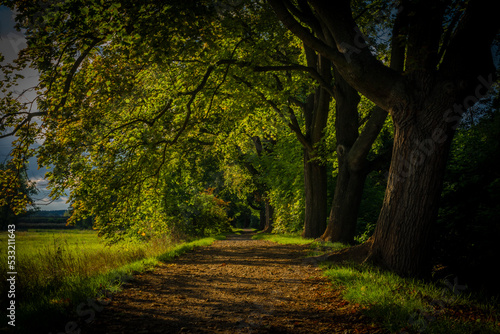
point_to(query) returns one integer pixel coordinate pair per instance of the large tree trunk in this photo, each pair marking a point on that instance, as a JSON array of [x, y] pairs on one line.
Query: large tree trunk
[[349, 186], [352, 165], [345, 207], [316, 111], [420, 108], [316, 211], [353, 170], [403, 234]]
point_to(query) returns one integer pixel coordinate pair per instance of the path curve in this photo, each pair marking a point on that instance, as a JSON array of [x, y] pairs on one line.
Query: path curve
[[237, 285]]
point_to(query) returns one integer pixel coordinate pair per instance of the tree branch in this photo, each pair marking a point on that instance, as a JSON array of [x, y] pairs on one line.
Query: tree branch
[[23, 122], [150, 123], [359, 150], [305, 35], [74, 68], [193, 94], [310, 70], [293, 125], [350, 54]]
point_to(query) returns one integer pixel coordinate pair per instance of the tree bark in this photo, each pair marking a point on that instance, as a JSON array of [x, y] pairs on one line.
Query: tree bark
[[352, 151], [344, 210], [316, 210], [268, 227], [345, 206], [401, 239], [316, 110]]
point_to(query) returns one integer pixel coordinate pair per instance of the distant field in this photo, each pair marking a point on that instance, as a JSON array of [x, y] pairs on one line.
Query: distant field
[[35, 238], [55, 267], [46, 257]]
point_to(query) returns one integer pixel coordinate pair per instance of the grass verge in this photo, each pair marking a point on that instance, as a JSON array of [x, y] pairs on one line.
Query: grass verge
[[399, 304], [405, 305]]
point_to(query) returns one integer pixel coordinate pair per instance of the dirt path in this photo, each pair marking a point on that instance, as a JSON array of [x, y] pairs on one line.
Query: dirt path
[[237, 285]]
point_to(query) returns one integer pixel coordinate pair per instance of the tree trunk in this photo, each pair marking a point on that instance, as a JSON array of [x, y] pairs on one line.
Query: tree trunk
[[350, 182], [402, 237], [353, 170], [316, 205], [345, 206], [268, 228], [262, 216]]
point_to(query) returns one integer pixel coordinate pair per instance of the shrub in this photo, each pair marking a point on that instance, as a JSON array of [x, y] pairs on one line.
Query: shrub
[[204, 214]]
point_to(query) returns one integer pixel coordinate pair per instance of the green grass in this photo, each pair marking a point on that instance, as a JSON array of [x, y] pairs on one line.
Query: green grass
[[237, 230], [399, 304], [57, 270], [283, 238], [416, 306], [316, 247], [44, 260]]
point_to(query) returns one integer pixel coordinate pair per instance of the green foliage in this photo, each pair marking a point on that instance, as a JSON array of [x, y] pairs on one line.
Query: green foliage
[[284, 174], [141, 91], [468, 219], [202, 215], [16, 193]]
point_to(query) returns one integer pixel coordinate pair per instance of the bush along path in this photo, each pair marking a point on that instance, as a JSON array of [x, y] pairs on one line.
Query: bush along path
[[237, 285]]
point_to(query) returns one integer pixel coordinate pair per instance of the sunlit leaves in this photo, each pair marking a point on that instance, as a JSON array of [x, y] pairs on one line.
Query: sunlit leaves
[[15, 188], [131, 90]]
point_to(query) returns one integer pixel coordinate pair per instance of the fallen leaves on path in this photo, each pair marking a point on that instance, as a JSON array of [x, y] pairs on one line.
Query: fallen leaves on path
[[237, 285]]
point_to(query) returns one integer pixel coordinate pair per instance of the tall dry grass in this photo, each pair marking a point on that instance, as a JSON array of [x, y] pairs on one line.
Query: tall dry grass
[[46, 260]]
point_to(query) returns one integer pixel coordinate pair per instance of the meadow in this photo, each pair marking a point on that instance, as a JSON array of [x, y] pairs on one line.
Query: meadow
[[57, 270]]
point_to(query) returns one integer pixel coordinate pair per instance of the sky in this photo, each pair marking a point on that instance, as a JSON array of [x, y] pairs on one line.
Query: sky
[[11, 42]]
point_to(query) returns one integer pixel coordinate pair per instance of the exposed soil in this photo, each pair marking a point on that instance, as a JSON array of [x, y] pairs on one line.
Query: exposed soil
[[237, 285]]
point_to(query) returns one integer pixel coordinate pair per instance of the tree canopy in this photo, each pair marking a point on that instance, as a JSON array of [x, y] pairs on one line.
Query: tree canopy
[[127, 106]]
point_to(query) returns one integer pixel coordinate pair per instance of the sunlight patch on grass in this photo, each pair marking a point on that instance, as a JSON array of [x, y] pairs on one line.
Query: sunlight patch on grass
[[316, 247], [285, 239], [322, 247], [401, 304]]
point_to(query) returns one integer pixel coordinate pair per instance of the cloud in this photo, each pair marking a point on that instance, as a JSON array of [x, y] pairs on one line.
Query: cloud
[[43, 200], [6, 20], [11, 42], [40, 182], [47, 203]]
